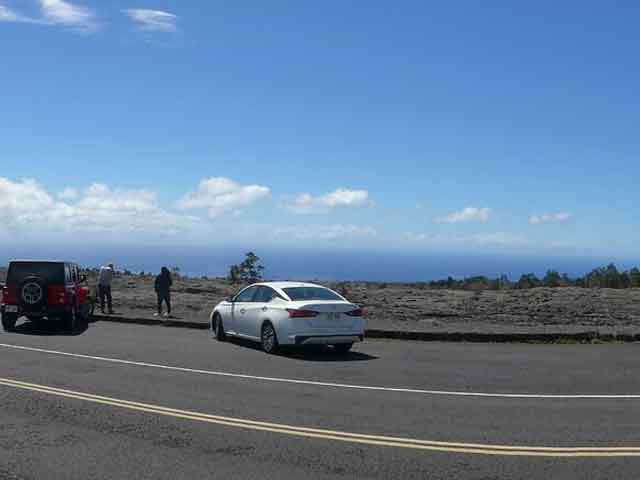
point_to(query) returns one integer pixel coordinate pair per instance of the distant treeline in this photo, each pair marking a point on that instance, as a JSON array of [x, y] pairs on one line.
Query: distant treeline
[[603, 277]]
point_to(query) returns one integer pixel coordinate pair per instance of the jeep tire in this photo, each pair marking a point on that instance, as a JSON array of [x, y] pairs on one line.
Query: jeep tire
[[9, 321], [71, 320]]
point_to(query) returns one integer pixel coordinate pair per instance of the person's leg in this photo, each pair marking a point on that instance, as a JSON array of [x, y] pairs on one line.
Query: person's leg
[[159, 295], [109, 299], [102, 294], [167, 299]]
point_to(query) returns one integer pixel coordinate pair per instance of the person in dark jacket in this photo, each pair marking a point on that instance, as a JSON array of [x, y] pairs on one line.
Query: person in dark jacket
[[163, 290]]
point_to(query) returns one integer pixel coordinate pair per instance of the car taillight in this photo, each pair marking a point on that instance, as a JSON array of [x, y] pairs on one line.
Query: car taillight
[[356, 313], [10, 294], [57, 295], [294, 313]]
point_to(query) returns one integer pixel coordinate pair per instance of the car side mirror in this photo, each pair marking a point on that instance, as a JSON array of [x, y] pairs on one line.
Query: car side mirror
[[229, 299]]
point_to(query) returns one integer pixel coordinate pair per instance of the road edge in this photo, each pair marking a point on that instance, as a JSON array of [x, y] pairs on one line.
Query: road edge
[[473, 337]]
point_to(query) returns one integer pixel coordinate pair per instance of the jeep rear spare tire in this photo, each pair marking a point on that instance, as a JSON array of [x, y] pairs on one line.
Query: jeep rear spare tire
[[32, 293]]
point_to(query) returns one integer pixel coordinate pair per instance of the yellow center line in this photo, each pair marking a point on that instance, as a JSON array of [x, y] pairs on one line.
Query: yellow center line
[[397, 442]]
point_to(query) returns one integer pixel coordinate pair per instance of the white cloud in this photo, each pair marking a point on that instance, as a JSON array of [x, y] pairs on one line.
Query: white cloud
[[468, 214], [220, 195], [18, 198], [501, 239], [324, 232], [55, 12], [305, 203], [26, 205], [8, 15], [550, 218], [60, 12], [492, 239], [68, 194], [154, 20]]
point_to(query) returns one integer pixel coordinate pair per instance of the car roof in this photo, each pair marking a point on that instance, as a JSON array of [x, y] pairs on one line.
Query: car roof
[[288, 284]]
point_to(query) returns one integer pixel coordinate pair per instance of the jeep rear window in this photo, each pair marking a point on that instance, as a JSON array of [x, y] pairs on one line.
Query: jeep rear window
[[48, 272]]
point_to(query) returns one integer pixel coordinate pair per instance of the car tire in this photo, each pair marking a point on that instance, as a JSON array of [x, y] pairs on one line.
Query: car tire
[[269, 338], [9, 322], [342, 347], [217, 328]]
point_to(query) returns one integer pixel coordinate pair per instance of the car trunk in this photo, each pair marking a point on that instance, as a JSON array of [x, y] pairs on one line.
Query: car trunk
[[331, 314]]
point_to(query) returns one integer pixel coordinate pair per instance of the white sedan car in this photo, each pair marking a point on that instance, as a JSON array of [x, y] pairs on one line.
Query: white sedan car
[[289, 313]]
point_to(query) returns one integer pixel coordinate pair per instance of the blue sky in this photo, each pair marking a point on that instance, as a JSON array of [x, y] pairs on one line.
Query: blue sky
[[467, 126]]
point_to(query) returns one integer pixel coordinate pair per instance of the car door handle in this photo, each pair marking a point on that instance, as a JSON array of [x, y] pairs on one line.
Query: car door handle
[[242, 310], [264, 309]]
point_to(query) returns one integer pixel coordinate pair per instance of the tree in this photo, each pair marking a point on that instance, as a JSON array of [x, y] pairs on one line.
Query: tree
[[625, 280], [634, 274], [501, 283], [234, 274], [552, 279], [528, 280], [605, 277], [613, 278], [249, 271]]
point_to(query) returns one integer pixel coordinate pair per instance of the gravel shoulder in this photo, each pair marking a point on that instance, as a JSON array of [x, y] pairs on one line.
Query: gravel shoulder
[[416, 308]]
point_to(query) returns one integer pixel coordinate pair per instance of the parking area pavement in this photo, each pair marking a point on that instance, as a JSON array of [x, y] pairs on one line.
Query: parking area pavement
[[183, 404]]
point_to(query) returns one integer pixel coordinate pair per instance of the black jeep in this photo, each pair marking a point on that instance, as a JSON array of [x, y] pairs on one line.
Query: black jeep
[[40, 290]]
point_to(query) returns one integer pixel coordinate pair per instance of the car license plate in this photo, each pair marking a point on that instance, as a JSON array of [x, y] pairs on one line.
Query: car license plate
[[333, 315], [11, 308]]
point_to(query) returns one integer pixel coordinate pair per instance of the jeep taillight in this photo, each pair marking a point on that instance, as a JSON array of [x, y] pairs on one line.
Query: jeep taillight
[[58, 295], [10, 294]]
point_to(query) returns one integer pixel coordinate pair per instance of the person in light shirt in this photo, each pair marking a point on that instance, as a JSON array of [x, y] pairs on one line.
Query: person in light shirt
[[104, 287]]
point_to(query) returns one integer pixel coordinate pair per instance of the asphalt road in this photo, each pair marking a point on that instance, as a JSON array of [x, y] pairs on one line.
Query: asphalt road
[[127, 401]]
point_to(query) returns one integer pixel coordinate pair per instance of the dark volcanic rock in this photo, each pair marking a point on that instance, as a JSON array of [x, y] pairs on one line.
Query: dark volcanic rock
[[417, 307]]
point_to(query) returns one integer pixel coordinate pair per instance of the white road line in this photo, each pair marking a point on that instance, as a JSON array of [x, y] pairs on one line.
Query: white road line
[[325, 384]]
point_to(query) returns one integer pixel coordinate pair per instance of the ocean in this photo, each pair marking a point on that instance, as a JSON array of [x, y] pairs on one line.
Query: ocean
[[319, 264]]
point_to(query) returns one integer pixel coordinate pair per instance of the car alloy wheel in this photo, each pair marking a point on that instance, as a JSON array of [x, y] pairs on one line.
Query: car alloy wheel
[[269, 338]]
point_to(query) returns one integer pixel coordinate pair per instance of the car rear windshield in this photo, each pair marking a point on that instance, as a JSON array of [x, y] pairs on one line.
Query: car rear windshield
[[48, 272], [311, 293]]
